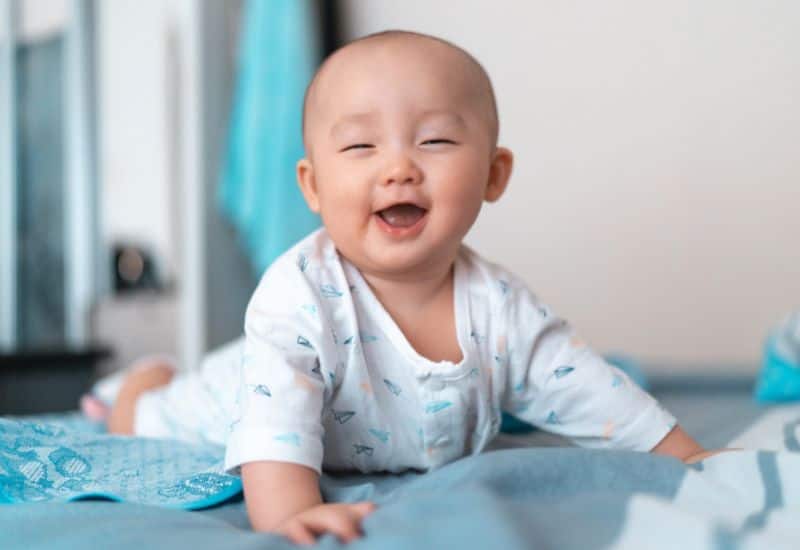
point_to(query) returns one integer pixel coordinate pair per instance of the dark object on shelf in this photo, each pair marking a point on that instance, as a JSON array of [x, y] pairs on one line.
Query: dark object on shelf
[[134, 269], [39, 381]]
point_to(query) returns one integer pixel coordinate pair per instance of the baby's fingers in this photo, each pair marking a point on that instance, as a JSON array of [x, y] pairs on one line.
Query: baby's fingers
[[362, 509], [344, 526], [299, 533]]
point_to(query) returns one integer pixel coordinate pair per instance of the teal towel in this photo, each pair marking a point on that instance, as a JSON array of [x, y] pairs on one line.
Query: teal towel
[[278, 54], [779, 380], [70, 460]]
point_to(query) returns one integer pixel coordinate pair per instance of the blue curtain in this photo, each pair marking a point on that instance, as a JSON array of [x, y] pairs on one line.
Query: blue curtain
[[279, 50]]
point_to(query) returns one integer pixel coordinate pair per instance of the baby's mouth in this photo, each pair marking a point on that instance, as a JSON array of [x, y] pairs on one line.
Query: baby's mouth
[[402, 215]]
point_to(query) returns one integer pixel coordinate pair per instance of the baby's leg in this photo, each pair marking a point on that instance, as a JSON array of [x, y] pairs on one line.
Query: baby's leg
[[140, 380]]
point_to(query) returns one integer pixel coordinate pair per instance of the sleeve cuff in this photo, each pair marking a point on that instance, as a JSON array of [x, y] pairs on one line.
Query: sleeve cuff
[[647, 430], [256, 444]]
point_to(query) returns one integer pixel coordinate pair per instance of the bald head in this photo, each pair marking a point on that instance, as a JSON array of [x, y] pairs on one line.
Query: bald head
[[469, 73]]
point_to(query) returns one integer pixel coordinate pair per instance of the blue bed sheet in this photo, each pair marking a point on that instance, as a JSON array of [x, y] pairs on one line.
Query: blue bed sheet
[[528, 497]]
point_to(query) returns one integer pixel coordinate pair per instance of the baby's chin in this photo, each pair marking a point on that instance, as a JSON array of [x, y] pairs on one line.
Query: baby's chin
[[405, 260]]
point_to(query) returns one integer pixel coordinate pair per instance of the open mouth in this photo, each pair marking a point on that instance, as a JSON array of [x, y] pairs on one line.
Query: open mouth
[[402, 215]]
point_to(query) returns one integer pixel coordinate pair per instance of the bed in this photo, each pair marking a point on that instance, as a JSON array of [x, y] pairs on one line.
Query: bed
[[527, 491]]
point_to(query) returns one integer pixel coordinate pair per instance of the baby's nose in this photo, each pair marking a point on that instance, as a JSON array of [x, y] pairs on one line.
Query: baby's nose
[[402, 170]]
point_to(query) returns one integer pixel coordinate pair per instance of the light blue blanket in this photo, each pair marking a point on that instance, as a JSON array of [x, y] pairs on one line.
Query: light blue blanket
[[509, 498]]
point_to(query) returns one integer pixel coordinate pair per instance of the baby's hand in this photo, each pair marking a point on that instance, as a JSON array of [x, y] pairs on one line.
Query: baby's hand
[[341, 519]]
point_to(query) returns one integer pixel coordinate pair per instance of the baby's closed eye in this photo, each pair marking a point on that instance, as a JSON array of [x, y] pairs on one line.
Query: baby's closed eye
[[438, 141]]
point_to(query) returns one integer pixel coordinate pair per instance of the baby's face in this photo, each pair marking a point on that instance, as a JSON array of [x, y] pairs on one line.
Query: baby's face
[[400, 155]]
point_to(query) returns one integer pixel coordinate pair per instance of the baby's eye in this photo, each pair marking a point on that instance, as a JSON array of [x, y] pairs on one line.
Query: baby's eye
[[357, 146], [438, 141]]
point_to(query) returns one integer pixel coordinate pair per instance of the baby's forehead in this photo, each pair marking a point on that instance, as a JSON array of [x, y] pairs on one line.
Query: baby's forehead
[[375, 66]]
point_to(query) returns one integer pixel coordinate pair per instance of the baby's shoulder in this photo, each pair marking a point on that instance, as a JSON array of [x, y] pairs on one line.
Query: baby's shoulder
[[492, 280], [309, 271]]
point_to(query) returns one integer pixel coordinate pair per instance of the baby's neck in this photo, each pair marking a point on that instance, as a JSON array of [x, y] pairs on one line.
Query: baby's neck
[[422, 306], [412, 292]]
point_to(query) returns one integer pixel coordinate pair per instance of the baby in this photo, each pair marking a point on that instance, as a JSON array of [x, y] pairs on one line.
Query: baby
[[381, 342]]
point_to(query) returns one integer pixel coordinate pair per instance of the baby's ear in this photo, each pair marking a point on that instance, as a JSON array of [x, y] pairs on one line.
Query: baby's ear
[[499, 174], [308, 184]]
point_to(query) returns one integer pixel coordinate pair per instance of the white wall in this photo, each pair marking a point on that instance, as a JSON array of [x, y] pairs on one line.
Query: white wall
[[135, 147], [41, 18], [655, 196]]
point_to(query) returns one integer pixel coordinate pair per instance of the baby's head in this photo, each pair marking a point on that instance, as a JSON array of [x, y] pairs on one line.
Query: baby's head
[[400, 131]]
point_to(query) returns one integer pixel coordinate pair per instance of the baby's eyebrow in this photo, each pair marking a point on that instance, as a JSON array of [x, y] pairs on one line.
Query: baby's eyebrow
[[447, 117], [357, 119]]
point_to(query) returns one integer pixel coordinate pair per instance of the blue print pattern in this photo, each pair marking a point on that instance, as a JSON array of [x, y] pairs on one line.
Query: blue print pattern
[[65, 461], [343, 416], [561, 372], [363, 449], [330, 291], [380, 434], [436, 406], [302, 261], [303, 341], [260, 389], [394, 388], [291, 438]]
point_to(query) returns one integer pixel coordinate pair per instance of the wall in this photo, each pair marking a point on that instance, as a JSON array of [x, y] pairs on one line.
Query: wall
[[654, 198], [143, 132]]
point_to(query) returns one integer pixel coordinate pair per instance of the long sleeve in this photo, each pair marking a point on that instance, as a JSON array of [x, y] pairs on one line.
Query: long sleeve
[[282, 390], [557, 383]]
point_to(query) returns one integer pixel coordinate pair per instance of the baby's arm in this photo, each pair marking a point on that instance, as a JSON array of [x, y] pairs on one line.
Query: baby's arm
[[679, 444], [284, 498]]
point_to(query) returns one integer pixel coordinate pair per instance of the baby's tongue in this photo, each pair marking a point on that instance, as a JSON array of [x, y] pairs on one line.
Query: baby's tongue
[[402, 215]]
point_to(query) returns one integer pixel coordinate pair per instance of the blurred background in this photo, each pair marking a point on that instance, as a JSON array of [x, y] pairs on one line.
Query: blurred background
[[147, 152]]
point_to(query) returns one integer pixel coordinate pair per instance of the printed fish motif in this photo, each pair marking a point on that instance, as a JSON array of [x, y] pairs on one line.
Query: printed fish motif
[[68, 463], [348, 340], [519, 387], [503, 286], [367, 338], [260, 389], [291, 438], [436, 406], [343, 416], [332, 376], [561, 372], [380, 434], [363, 449], [394, 388], [310, 308], [34, 471], [552, 418], [616, 381], [330, 291], [303, 341]]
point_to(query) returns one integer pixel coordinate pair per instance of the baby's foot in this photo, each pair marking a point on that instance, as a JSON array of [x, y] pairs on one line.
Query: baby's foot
[[94, 409]]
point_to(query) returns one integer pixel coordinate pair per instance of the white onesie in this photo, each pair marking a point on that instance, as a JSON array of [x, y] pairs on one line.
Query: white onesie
[[329, 380]]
